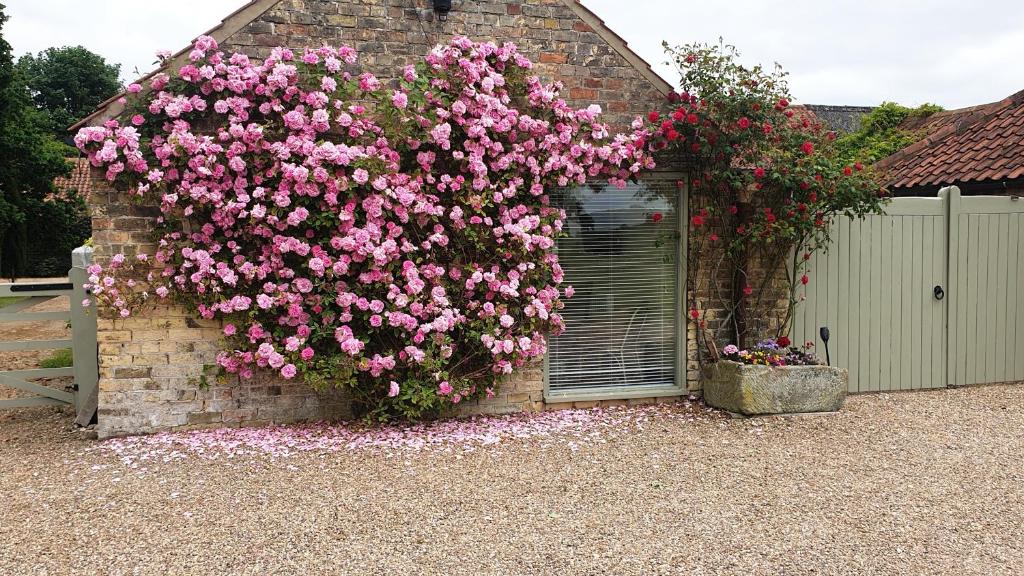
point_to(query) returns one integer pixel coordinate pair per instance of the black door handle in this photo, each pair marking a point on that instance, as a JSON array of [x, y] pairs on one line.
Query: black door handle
[[939, 293]]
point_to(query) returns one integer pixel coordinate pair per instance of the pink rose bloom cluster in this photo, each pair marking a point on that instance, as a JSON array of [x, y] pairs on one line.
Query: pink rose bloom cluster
[[399, 242]]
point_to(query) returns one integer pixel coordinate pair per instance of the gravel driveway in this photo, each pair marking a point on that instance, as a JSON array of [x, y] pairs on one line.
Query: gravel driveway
[[915, 483]]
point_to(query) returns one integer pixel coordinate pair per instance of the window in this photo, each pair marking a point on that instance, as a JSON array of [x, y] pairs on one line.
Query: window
[[620, 253]]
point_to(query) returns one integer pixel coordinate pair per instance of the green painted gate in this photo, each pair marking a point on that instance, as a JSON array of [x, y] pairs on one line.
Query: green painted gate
[[82, 393], [927, 295]]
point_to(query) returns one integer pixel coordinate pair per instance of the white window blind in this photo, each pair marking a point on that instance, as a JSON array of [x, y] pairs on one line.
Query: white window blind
[[620, 253]]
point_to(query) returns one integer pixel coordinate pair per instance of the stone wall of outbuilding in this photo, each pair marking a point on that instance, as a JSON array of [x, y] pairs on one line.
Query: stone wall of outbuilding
[[157, 369]]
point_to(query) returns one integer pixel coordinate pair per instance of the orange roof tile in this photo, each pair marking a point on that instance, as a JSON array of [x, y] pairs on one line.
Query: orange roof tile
[[976, 144], [78, 180]]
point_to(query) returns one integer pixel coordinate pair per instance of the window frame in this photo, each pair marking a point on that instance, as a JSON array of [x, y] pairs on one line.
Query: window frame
[[640, 390]]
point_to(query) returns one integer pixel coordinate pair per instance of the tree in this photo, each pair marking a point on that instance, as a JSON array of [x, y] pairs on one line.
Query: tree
[[67, 83], [30, 158], [880, 135]]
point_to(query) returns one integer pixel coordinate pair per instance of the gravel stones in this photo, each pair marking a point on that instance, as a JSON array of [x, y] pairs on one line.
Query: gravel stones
[[921, 483]]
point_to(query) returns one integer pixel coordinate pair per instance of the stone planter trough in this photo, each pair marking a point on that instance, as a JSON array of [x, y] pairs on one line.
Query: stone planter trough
[[752, 390]]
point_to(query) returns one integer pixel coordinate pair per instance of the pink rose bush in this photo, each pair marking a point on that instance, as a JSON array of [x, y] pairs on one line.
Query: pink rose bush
[[397, 240]]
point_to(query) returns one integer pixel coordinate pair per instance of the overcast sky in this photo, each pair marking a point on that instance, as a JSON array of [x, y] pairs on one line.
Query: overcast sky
[[954, 53]]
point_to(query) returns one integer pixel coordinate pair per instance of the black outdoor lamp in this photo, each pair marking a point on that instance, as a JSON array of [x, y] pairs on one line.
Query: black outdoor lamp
[[824, 338], [442, 7]]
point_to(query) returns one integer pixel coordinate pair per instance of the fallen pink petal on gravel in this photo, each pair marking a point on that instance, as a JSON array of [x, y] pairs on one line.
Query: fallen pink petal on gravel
[[571, 428]]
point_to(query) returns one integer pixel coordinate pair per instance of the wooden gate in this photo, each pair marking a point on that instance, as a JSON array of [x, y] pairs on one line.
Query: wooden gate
[[986, 311], [82, 393], [926, 295]]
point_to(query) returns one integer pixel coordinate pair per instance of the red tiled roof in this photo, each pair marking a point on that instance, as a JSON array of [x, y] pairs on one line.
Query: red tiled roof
[[977, 144], [78, 180]]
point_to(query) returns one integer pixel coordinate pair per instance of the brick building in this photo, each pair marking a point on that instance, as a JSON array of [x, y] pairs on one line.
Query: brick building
[[157, 372]]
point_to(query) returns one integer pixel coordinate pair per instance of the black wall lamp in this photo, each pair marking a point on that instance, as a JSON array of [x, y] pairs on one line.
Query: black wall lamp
[[442, 7]]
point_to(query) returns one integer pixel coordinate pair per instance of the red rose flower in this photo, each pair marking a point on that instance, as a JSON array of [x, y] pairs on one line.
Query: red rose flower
[[694, 313], [847, 171], [656, 217], [673, 97], [697, 221], [747, 290], [653, 116], [804, 279], [783, 341], [858, 166], [679, 115], [758, 172], [671, 134], [744, 123], [807, 147], [692, 118]]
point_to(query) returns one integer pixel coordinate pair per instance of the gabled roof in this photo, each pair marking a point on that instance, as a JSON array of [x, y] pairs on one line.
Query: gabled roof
[[228, 25], [619, 44], [252, 10], [977, 144]]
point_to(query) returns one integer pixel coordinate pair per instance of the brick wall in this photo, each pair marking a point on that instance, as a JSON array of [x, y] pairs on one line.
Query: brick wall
[[561, 37], [157, 369]]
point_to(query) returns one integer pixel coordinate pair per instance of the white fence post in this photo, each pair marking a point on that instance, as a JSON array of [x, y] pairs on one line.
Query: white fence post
[[83, 336]]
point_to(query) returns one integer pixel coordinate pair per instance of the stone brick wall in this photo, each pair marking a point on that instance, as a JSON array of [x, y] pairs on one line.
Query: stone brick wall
[[156, 370], [560, 36]]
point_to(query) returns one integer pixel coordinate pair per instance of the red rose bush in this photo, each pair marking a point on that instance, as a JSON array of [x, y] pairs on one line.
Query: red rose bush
[[766, 181]]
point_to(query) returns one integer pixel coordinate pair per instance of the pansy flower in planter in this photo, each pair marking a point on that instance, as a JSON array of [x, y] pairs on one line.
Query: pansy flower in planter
[[773, 352]]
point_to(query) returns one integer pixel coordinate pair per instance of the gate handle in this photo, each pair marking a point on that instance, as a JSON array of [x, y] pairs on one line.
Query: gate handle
[[939, 293]]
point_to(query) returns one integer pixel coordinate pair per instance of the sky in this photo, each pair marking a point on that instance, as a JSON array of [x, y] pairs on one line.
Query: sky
[[952, 53]]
